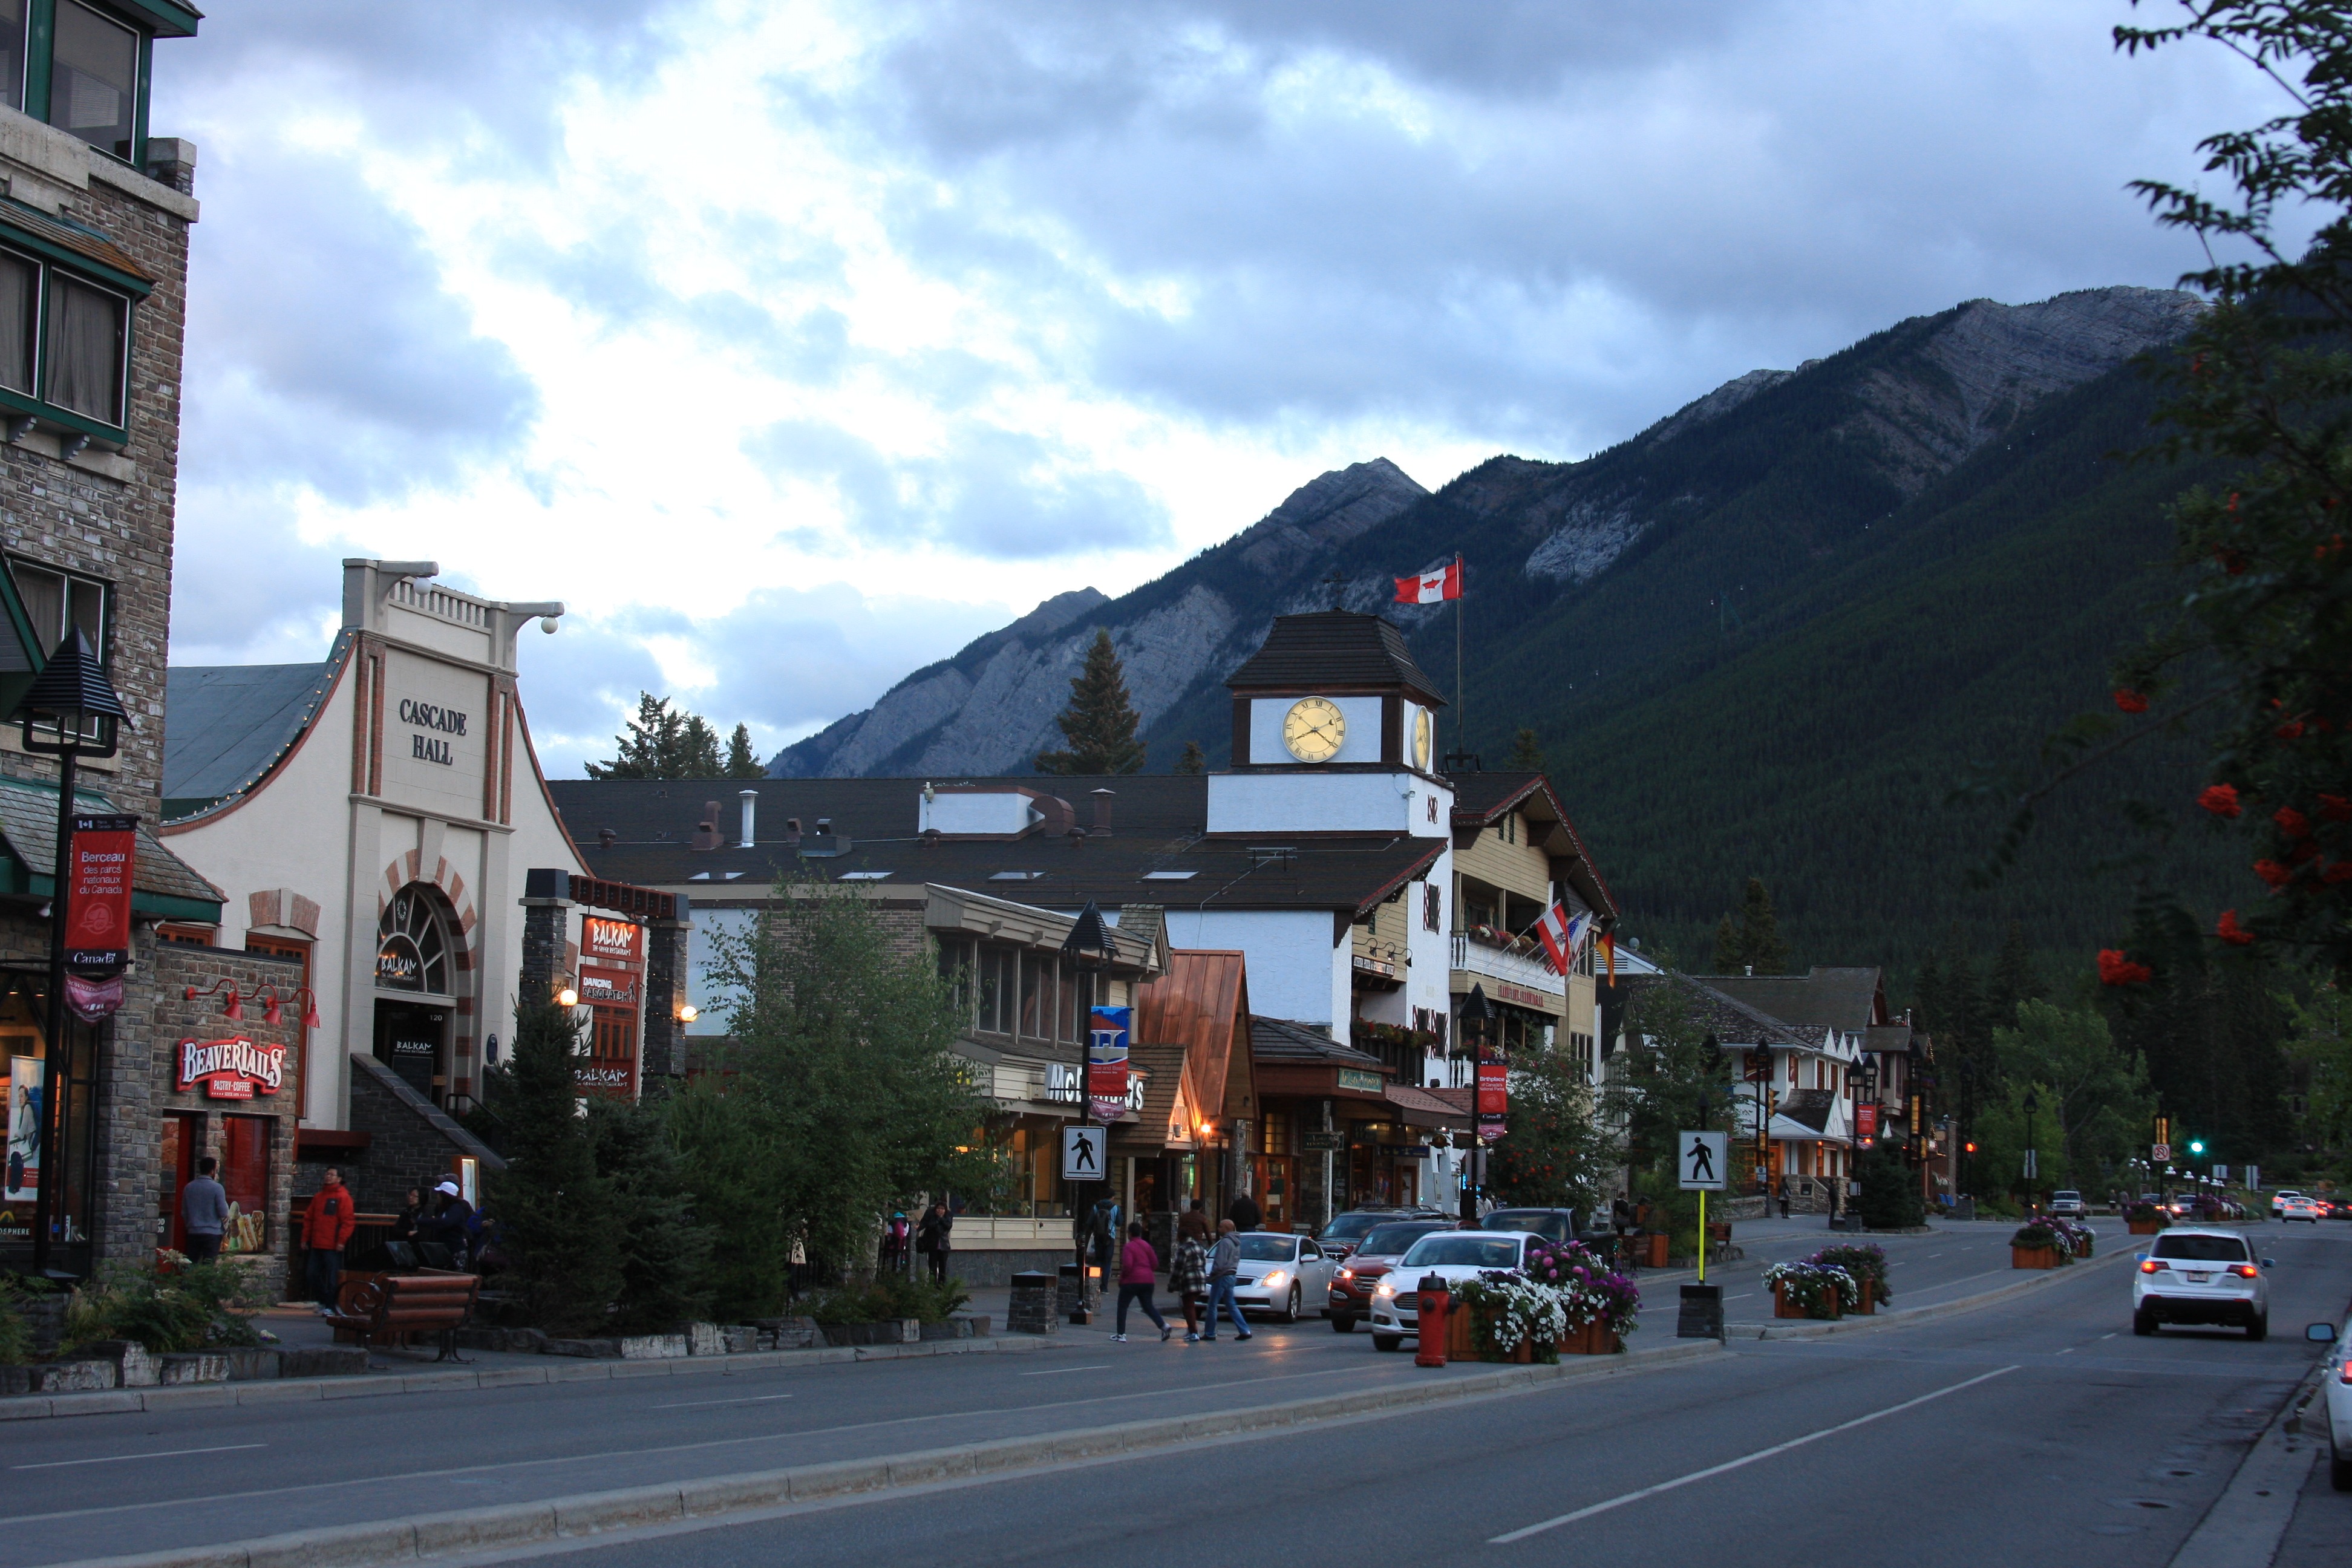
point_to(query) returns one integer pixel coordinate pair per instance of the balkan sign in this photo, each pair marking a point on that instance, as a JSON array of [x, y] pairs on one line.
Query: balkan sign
[[233, 1068], [97, 903], [607, 987], [1106, 1032], [623, 939]]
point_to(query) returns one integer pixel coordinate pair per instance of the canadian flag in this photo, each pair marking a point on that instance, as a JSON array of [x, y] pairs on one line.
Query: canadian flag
[[1562, 935], [1445, 582]]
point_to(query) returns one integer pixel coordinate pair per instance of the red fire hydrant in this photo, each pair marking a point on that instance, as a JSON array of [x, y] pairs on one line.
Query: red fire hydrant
[[1429, 1313]]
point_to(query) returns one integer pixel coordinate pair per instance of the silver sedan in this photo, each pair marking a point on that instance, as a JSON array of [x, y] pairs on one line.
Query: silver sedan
[[1284, 1276]]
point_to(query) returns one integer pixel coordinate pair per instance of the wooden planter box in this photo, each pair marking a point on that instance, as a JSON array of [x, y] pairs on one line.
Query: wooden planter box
[[1869, 1307], [2033, 1258], [1462, 1343], [1589, 1339], [2083, 1247], [1654, 1250], [2146, 1227], [1784, 1307]]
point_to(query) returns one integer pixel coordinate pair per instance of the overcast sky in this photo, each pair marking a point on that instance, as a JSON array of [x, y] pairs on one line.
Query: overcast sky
[[794, 345]]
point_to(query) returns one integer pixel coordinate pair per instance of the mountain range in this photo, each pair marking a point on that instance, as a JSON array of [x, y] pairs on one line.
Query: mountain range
[[1767, 635]]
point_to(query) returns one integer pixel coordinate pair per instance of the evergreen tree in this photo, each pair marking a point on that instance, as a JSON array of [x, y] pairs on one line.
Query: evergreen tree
[[1526, 753], [653, 747], [1928, 1011], [663, 1254], [1755, 941], [742, 763], [698, 745], [1099, 725], [1730, 951], [554, 1213], [1194, 760], [2012, 981], [1890, 1198]]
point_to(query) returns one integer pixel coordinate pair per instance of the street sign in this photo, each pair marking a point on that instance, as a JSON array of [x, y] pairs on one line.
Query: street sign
[[1083, 1153], [1310, 1140], [1701, 1159], [2160, 1152], [2220, 1172], [2253, 1175]]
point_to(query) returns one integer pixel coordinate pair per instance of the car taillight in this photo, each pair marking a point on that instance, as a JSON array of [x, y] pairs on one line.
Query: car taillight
[[2149, 1266], [2242, 1271]]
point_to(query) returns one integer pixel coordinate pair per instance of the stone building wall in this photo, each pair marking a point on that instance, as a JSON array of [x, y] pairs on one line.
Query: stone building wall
[[411, 1143]]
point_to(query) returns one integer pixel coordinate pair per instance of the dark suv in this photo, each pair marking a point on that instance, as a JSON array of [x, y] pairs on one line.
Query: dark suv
[[1555, 1225], [1352, 1287]]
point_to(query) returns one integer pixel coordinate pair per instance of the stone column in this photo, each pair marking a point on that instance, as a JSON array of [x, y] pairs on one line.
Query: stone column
[[665, 974], [546, 924]]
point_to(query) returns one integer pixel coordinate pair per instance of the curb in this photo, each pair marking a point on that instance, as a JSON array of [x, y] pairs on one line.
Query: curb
[[511, 1525], [1803, 1329], [379, 1385]]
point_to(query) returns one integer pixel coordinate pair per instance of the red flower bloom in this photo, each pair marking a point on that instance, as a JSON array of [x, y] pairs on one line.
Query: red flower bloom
[[2292, 823], [2304, 851], [2291, 730], [2221, 800], [2115, 969], [2231, 932], [2270, 871], [2233, 562], [2131, 701]]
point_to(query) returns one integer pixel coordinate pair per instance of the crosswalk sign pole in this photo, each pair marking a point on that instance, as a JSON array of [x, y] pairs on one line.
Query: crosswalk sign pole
[[1702, 1236]]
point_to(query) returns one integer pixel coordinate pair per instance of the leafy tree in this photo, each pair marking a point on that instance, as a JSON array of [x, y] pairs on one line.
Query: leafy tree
[[554, 1211], [1756, 941], [1099, 723], [1194, 760], [1526, 753], [734, 1154], [1557, 1153], [1672, 1077], [2320, 1049], [2094, 1101], [742, 763], [854, 1098]]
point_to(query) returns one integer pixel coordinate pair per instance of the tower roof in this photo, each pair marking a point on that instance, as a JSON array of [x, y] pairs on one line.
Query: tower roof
[[1334, 650]]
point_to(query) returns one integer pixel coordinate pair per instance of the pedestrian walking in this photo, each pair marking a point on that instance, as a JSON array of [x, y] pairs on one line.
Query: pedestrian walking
[[1244, 1213], [932, 1239], [203, 1212], [1138, 1263], [1223, 1262], [1784, 1194], [895, 1237], [327, 1226], [1190, 1278]]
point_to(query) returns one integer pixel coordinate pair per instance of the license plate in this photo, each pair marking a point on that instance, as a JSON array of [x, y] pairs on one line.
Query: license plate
[[2199, 1278]]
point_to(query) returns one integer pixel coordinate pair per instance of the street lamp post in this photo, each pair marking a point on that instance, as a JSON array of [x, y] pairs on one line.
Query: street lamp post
[[2032, 1163], [71, 710]]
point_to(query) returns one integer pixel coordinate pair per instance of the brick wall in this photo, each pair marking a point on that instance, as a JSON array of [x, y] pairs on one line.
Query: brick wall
[[410, 1142]]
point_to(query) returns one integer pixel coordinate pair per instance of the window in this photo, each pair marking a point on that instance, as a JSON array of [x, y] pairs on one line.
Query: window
[[94, 78], [89, 327], [20, 313], [1433, 907], [866, 876], [1169, 876], [186, 935], [57, 601], [411, 954], [244, 1174], [12, 53]]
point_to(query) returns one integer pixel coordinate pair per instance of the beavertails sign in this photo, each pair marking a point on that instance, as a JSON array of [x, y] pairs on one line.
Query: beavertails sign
[[229, 1069]]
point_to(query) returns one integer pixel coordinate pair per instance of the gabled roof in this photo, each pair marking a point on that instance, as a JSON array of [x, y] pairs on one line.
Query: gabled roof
[[1847, 1000], [161, 883], [225, 726], [1480, 798], [1280, 1041], [1200, 1005], [1731, 1021], [1333, 649]]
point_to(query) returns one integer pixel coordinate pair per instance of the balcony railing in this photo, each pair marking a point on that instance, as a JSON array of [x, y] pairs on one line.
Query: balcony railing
[[1475, 957]]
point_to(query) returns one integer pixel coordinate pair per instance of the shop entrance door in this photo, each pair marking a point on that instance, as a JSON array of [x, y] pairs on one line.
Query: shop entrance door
[[184, 1139], [408, 1039], [1275, 1178]]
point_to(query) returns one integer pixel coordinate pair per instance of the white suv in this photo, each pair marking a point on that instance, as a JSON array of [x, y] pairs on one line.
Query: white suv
[[2069, 1202], [2278, 1201], [2336, 1381], [2189, 1276]]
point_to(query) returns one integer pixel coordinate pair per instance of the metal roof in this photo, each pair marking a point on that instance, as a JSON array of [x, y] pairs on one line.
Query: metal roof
[[1333, 649], [1278, 1041], [1848, 1000], [225, 725], [28, 824]]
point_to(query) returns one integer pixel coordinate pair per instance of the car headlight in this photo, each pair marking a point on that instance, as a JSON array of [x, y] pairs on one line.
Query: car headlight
[[1276, 1280], [1385, 1289], [1346, 1274]]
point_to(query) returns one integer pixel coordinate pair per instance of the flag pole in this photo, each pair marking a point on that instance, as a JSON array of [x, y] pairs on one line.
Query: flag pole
[[1461, 718]]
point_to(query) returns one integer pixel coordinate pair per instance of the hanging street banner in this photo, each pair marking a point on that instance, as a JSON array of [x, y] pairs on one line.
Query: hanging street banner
[[97, 903], [1494, 1094], [1865, 1120], [1106, 1033]]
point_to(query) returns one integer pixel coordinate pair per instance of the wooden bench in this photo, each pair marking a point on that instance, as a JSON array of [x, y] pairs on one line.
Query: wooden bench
[[395, 1308]]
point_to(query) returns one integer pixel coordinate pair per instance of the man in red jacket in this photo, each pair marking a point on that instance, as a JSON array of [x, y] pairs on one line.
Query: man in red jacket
[[327, 1225]]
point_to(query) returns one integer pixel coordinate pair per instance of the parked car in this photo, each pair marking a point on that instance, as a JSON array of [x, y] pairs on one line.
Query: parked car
[[2201, 1276], [2278, 1201], [2336, 1381], [1281, 1275], [1343, 1233], [1360, 1273], [1453, 1255], [1557, 1226], [2308, 1210], [2068, 1204]]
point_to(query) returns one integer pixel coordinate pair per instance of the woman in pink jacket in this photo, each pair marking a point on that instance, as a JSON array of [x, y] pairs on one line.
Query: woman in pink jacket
[[1137, 1264]]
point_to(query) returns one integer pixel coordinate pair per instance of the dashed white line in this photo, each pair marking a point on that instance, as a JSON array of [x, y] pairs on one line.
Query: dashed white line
[[752, 1399], [1057, 1371], [120, 1458]]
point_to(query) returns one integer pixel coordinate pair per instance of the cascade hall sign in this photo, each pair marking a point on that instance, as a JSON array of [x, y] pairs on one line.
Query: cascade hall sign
[[427, 716]]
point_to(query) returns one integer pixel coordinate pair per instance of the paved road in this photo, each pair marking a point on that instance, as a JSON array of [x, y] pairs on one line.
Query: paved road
[[2036, 1431], [2106, 1412]]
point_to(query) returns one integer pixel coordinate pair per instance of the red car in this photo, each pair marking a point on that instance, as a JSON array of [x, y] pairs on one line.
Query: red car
[[1352, 1287]]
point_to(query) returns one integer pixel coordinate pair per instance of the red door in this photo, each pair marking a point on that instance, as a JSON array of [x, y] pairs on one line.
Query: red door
[[184, 1136]]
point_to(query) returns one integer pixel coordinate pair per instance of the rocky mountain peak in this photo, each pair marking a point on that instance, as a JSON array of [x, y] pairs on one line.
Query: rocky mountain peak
[[1326, 512]]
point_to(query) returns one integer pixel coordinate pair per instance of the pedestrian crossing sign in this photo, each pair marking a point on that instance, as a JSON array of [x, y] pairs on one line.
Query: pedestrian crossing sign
[[1083, 1152], [1701, 1159]]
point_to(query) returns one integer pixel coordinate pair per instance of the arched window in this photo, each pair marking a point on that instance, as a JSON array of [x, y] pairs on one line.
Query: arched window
[[412, 948]]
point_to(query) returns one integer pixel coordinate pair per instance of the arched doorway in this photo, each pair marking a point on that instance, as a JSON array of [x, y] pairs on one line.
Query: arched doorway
[[413, 975]]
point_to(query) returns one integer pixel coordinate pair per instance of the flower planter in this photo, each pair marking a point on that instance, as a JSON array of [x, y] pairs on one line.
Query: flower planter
[[2033, 1258], [1869, 1306], [1782, 1307], [1589, 1339], [1459, 1344], [2083, 1247], [2146, 1227], [1653, 1250]]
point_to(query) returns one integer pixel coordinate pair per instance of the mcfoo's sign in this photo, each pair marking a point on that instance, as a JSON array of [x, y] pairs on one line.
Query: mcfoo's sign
[[601, 938], [229, 1069]]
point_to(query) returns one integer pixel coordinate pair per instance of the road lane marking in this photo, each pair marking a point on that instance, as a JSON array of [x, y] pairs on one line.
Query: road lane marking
[[696, 1403], [1060, 1371], [2103, 1337], [2068, 1350], [121, 1459], [1741, 1462]]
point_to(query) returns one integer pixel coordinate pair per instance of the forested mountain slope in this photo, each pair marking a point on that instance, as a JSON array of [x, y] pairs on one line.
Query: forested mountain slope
[[1766, 636]]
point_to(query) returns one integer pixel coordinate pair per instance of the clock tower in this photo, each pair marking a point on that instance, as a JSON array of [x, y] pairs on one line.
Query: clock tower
[[1335, 733]]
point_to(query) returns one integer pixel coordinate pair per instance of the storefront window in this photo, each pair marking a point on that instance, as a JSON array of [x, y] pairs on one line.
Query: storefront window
[[63, 1088], [244, 1174]]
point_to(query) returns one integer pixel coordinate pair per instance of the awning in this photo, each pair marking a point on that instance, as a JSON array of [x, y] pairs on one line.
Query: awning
[[1425, 1108], [1784, 1130], [162, 885]]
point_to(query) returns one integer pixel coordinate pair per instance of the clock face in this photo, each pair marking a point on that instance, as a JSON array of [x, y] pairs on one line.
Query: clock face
[[1314, 728], [1423, 737]]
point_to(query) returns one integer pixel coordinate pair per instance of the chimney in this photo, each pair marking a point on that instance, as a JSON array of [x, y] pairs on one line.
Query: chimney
[[1103, 797], [705, 832], [607, 838], [750, 799], [792, 830], [825, 827]]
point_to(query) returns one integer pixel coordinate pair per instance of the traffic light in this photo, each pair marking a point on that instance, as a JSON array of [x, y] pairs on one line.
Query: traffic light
[[1970, 1146]]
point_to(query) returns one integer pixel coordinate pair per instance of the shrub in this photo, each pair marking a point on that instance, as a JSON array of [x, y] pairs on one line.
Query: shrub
[[15, 1332], [1890, 1193], [889, 1297], [200, 1305]]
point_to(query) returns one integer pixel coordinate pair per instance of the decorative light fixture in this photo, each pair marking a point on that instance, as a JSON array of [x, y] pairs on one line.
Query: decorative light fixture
[[233, 1008], [274, 1011], [687, 1013], [567, 997]]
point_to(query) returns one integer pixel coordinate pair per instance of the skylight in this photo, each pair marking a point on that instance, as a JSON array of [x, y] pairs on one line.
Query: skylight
[[1014, 876], [1169, 876], [866, 876]]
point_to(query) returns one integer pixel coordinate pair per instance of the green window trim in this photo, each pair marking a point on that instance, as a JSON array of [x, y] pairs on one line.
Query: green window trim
[[115, 436], [151, 19], [88, 270], [20, 881], [22, 237]]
